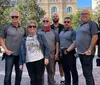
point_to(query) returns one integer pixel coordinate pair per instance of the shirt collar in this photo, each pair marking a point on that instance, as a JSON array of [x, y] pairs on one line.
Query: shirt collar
[[14, 26], [85, 22]]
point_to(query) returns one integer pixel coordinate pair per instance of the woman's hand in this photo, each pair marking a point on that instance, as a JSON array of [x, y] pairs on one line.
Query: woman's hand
[[46, 61], [21, 67]]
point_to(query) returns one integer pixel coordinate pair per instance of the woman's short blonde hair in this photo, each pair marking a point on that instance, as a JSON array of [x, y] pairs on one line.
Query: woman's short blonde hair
[[32, 22]]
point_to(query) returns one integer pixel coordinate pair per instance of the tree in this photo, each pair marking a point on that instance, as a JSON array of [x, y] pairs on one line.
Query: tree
[[96, 13], [75, 20], [29, 10], [4, 12], [4, 3]]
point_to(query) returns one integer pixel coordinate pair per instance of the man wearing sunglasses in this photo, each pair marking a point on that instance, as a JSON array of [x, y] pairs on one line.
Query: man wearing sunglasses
[[10, 38], [51, 38], [67, 46], [86, 39]]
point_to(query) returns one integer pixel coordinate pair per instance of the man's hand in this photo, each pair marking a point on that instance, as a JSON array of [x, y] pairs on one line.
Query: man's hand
[[8, 52], [56, 57], [87, 52], [65, 52], [46, 61], [21, 67]]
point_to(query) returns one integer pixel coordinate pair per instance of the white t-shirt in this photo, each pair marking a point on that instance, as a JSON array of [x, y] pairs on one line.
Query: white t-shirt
[[33, 50]]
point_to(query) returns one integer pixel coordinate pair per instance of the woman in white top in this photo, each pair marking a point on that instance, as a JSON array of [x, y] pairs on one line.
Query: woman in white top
[[34, 52]]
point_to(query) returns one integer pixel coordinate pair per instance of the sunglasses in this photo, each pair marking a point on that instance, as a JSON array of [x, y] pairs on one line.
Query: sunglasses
[[45, 21], [66, 22], [14, 17], [84, 13], [31, 26]]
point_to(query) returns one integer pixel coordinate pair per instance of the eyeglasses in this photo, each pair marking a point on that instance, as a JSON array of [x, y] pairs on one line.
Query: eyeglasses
[[66, 21], [45, 21], [84, 13], [55, 16], [14, 17], [31, 26]]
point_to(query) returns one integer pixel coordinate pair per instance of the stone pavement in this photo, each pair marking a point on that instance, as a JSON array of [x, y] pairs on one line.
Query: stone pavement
[[25, 79], [96, 74]]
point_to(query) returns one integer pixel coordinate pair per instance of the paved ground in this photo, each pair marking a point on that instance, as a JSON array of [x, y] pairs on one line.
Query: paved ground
[[25, 79]]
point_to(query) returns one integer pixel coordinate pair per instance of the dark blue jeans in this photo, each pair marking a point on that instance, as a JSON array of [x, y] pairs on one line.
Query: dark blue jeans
[[10, 61], [87, 66]]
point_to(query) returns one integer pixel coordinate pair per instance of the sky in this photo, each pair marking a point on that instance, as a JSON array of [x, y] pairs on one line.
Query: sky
[[84, 3]]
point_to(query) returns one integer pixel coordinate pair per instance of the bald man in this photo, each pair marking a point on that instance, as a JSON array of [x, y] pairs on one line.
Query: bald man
[[57, 27], [86, 38], [10, 38]]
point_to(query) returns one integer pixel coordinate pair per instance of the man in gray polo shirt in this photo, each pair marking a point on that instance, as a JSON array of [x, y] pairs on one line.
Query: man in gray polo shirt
[[10, 38], [52, 40], [86, 38], [67, 46]]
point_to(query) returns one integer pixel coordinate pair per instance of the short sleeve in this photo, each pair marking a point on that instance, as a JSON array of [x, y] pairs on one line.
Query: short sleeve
[[3, 32], [73, 35], [93, 28]]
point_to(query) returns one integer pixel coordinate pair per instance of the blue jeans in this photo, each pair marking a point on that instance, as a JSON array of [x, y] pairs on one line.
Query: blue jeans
[[10, 61]]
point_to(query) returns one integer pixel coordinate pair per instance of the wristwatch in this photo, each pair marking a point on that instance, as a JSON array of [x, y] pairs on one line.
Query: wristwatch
[[89, 51]]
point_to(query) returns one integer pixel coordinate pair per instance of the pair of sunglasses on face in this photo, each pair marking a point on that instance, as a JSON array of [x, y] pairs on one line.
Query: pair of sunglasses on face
[[31, 26], [14, 17], [66, 21], [45, 21]]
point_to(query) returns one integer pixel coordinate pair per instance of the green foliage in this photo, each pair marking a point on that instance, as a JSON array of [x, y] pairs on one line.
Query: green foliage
[[4, 3], [96, 13], [75, 20], [4, 12], [29, 11]]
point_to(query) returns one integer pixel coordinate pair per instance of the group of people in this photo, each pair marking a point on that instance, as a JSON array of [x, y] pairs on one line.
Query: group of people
[[43, 48]]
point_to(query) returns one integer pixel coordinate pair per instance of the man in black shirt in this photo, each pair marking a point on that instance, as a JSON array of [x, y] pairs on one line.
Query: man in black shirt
[[58, 28]]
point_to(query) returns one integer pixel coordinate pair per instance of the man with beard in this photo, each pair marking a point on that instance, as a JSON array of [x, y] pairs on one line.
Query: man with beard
[[58, 28]]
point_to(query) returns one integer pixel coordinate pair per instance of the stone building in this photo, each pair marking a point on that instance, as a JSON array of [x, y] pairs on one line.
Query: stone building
[[62, 7]]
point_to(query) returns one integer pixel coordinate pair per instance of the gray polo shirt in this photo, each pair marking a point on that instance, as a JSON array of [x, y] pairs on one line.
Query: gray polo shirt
[[12, 36], [84, 35], [67, 38], [51, 38]]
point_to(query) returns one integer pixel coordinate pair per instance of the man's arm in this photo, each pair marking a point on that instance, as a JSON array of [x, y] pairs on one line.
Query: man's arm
[[92, 45], [2, 41], [72, 46], [57, 51], [93, 42]]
